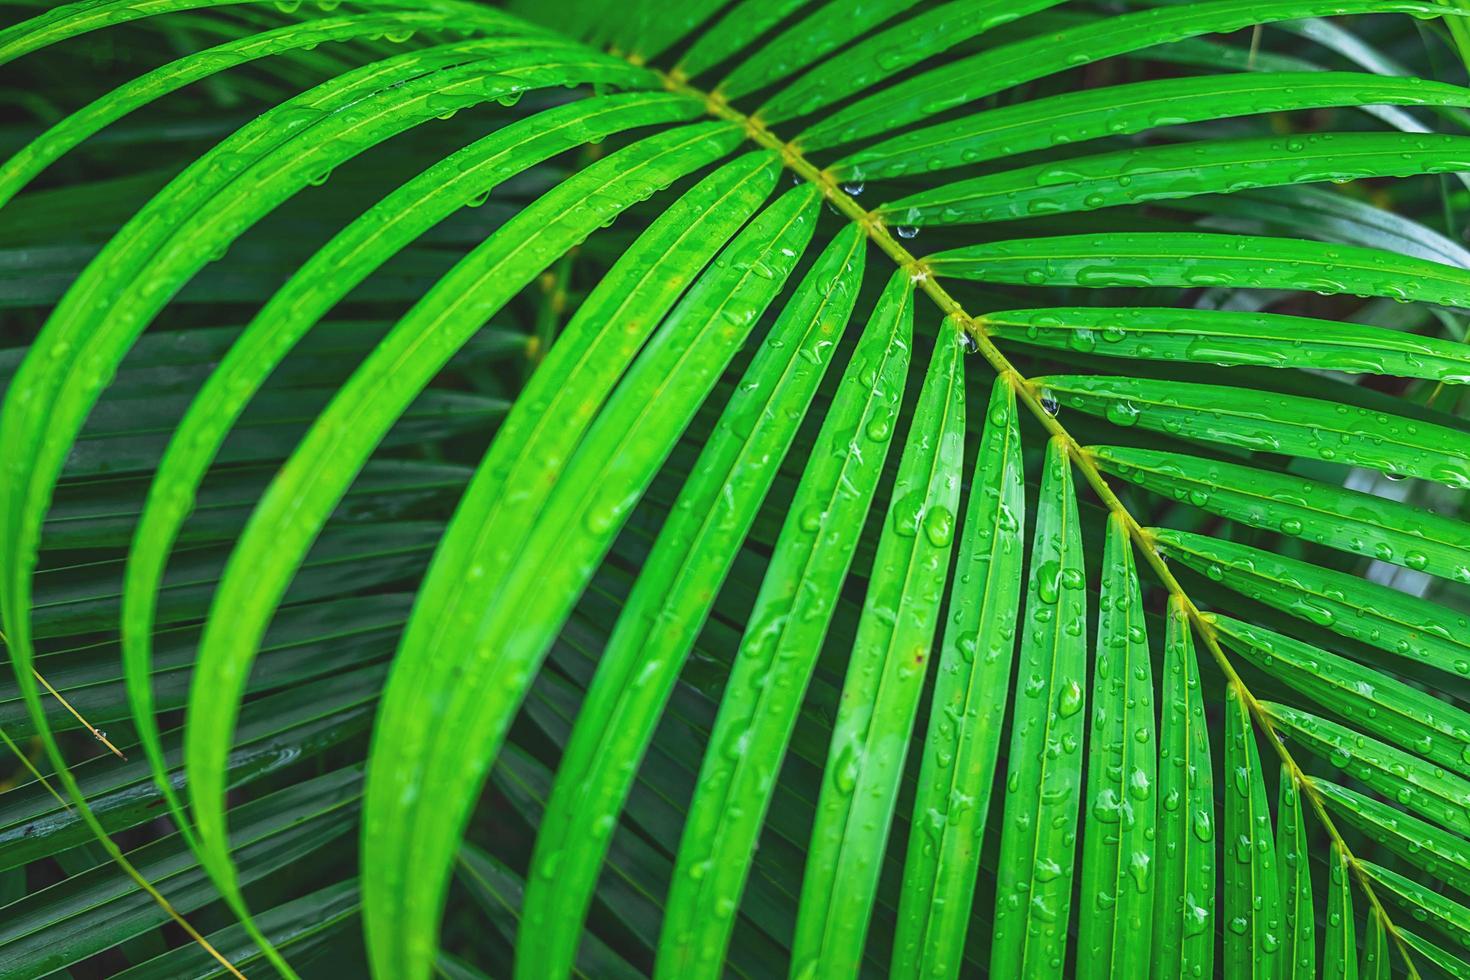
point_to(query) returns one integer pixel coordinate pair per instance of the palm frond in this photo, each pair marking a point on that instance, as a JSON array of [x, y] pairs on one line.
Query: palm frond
[[438, 422]]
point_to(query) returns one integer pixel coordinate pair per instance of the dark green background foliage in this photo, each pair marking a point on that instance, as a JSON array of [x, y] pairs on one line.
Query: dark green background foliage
[[735, 487]]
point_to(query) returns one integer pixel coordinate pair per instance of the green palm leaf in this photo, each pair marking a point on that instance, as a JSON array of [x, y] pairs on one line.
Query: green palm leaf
[[1389, 620], [682, 575], [1298, 954], [1167, 172], [1188, 259], [1452, 965], [1339, 948], [1121, 109], [1375, 962], [1044, 779], [700, 336], [777, 652], [982, 74], [1431, 848], [1399, 713], [1229, 338], [1184, 934], [880, 695], [438, 421], [965, 726], [1446, 915], [1255, 929], [1364, 524], [1420, 786], [1118, 844]]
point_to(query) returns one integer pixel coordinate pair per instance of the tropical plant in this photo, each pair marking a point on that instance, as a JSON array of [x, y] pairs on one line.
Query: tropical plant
[[593, 488]]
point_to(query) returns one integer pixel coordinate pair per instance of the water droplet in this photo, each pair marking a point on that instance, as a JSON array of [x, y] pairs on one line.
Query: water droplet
[[1069, 701], [1048, 581], [845, 769], [1202, 826], [939, 526], [1122, 412]]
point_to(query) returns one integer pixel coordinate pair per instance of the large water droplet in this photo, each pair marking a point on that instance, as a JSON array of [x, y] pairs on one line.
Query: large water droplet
[[1069, 701]]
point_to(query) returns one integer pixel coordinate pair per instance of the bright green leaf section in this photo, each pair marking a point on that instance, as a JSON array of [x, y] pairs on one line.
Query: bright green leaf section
[[1339, 942], [1044, 781], [885, 677], [741, 24], [1298, 954], [1434, 850], [313, 481], [1254, 932], [968, 713], [425, 723], [807, 41], [1195, 259], [955, 84], [888, 52], [83, 16], [1404, 716], [645, 30], [1118, 851], [76, 127], [1184, 922], [1233, 338], [672, 598], [778, 651], [1161, 173], [198, 214], [1076, 117], [1417, 785], [311, 292], [566, 392], [1426, 904], [1451, 965], [1359, 523], [1310, 428], [1376, 963]]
